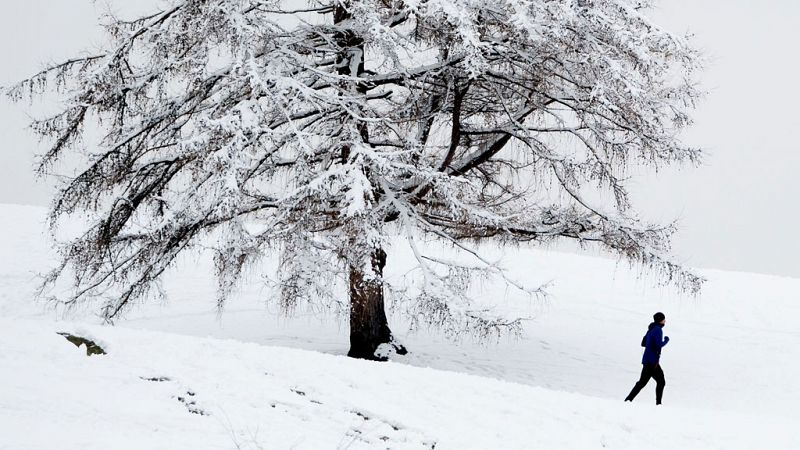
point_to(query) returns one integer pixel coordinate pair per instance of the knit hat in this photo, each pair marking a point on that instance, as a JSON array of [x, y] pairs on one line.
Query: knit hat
[[658, 317]]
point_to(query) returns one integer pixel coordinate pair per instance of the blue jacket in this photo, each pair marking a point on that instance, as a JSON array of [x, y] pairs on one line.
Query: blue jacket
[[652, 343]]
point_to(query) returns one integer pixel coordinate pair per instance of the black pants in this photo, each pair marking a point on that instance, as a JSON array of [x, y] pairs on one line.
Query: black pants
[[649, 371]]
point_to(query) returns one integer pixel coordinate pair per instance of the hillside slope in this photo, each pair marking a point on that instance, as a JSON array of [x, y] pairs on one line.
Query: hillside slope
[[156, 390], [731, 366]]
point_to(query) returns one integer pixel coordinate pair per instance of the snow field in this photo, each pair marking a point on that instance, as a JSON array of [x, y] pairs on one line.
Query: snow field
[[249, 380], [157, 390]]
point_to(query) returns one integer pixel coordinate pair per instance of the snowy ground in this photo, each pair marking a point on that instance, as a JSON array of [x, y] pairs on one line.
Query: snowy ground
[[731, 367]]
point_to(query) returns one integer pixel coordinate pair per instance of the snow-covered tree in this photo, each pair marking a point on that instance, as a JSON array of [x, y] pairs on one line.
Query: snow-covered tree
[[317, 130]]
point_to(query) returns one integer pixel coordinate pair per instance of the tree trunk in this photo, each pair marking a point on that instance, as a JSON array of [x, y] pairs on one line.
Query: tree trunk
[[368, 325]]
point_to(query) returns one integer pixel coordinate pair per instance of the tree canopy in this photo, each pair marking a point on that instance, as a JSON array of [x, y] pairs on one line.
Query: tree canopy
[[317, 130]]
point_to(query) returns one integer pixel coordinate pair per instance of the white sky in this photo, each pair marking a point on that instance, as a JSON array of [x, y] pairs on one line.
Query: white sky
[[740, 211]]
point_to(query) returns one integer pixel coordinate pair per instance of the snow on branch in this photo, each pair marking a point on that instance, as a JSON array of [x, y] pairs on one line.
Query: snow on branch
[[316, 131]]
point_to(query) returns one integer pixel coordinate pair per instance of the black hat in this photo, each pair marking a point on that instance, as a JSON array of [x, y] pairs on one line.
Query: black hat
[[658, 317]]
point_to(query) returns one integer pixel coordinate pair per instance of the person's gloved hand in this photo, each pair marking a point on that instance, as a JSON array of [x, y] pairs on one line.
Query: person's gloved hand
[[666, 339]]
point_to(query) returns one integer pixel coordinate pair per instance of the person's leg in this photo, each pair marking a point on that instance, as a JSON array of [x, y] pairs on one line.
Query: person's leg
[[643, 379], [658, 375]]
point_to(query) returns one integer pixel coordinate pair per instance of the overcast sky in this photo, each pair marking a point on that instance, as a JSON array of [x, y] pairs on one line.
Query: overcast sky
[[740, 211]]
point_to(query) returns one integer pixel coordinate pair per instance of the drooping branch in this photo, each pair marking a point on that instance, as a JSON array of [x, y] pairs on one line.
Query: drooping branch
[[465, 121]]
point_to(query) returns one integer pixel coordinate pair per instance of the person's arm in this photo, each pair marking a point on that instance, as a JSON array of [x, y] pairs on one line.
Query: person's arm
[[655, 338]]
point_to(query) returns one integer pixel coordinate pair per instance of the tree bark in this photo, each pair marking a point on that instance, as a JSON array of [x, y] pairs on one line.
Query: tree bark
[[368, 325]]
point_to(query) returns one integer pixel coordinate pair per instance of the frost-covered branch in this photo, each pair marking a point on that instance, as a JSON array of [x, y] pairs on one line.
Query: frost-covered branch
[[316, 130]]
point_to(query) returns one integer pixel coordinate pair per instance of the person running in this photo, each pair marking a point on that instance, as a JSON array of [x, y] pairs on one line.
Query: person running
[[652, 343]]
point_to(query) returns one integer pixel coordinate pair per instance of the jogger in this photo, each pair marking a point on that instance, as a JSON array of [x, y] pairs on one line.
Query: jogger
[[652, 342]]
